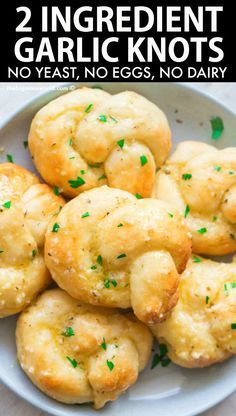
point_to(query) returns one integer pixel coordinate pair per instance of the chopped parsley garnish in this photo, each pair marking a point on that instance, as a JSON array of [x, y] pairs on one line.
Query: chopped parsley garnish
[[94, 267], [155, 361], [1, 251], [228, 286], [113, 119], [34, 252], [110, 365], [72, 157], [202, 230], [25, 144], [69, 332], [170, 215], [121, 143], [56, 190], [102, 177], [186, 212], [88, 109], [102, 118], [95, 165], [107, 283], [10, 158], [99, 260], [217, 127], [217, 168], [161, 357], [103, 344], [120, 225], [215, 218], [55, 227], [121, 256], [207, 300], [196, 259], [7, 204], [72, 361], [233, 325], [70, 141], [186, 176], [138, 196], [86, 214], [75, 183], [82, 172], [143, 160], [165, 362], [231, 172]]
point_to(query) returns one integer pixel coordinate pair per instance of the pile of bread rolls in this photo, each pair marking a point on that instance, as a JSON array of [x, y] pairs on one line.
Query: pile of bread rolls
[[121, 230]]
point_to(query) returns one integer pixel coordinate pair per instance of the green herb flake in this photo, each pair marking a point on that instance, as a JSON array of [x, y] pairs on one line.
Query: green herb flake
[[233, 325], [217, 127], [186, 212], [102, 177], [10, 158], [34, 252], [138, 196], [107, 283], [143, 160], [102, 118], [121, 143], [93, 267], [120, 225], [121, 256], [207, 300], [231, 172], [70, 141], [1, 250], [56, 190], [155, 361], [88, 109], [165, 362], [72, 157], [72, 361], [99, 260], [68, 332], [217, 168], [196, 259], [85, 215], [228, 286], [7, 204], [25, 144], [82, 172], [202, 230], [103, 344], [55, 227], [163, 350], [114, 282], [186, 176], [76, 183], [113, 119], [110, 365], [215, 218], [95, 165], [170, 215]]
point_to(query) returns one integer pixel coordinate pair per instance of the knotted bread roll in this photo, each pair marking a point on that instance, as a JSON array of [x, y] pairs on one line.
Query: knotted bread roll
[[88, 138], [26, 207], [201, 330], [114, 250], [78, 353], [200, 181]]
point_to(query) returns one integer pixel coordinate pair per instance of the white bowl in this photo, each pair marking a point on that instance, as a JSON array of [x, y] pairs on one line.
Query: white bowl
[[161, 391]]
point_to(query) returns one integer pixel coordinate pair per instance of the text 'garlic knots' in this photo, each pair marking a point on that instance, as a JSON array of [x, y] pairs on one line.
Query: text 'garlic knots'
[[88, 138], [201, 330], [200, 181], [109, 248], [78, 353], [26, 207]]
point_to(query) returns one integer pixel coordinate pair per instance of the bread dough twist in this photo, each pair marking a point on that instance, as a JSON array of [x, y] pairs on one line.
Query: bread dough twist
[[114, 250], [201, 330], [202, 179], [26, 207], [88, 138], [78, 353]]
